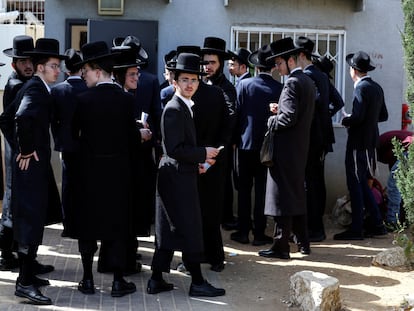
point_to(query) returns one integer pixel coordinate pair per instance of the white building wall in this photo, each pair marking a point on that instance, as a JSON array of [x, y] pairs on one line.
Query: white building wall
[[375, 30]]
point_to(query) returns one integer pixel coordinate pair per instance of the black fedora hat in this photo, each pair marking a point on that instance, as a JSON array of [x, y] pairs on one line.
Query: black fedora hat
[[21, 44], [324, 64], [214, 45], [188, 63], [74, 57], [126, 58], [241, 55], [260, 57], [46, 47], [283, 47], [134, 43], [306, 44], [193, 49], [95, 52], [170, 56], [360, 61]]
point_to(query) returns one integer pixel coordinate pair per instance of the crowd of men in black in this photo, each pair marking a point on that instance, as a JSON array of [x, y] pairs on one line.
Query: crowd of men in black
[[135, 153]]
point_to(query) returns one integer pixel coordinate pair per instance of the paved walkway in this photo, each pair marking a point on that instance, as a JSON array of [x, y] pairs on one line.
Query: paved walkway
[[63, 254], [251, 282]]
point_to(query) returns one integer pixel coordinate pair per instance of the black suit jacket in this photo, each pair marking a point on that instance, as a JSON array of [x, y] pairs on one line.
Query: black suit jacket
[[63, 109], [368, 108]]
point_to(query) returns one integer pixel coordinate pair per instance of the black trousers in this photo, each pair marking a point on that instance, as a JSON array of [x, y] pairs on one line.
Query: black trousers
[[315, 190], [162, 259], [115, 252], [251, 172], [284, 226]]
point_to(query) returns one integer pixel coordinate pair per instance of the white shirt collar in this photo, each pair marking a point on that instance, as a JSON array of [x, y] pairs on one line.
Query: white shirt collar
[[188, 102], [360, 79], [44, 82]]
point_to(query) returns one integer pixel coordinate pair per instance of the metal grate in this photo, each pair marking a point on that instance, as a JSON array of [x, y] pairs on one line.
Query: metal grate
[[31, 11]]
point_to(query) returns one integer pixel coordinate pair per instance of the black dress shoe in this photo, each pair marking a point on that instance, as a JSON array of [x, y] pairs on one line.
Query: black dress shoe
[[155, 287], [122, 288], [205, 290], [305, 250], [376, 231], [349, 235], [38, 268], [270, 253], [230, 225], [240, 237], [217, 267], [32, 293], [262, 240], [86, 287]]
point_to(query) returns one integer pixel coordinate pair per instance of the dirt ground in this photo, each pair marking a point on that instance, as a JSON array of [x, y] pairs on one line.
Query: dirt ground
[[264, 283]]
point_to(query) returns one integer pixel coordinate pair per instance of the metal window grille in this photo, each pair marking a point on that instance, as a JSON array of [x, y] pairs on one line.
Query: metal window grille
[[31, 11], [328, 42]]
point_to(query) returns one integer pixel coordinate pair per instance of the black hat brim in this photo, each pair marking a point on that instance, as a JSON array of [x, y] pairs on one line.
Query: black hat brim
[[45, 54], [9, 53], [348, 60], [200, 73], [96, 59], [254, 61], [285, 53], [221, 53]]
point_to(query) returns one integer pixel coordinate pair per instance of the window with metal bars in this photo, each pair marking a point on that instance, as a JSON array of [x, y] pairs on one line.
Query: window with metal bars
[[31, 11], [328, 42]]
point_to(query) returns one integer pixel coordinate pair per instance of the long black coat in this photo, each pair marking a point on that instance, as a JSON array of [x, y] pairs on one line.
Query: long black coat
[[36, 192], [105, 126], [178, 223], [285, 189], [7, 125]]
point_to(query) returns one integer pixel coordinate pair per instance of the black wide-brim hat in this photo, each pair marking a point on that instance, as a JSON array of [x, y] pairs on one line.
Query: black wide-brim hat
[[134, 43], [213, 45], [306, 44], [360, 61], [21, 44], [193, 49], [260, 57], [126, 57], [188, 63], [74, 57], [283, 47], [241, 55], [325, 65], [95, 52], [46, 47]]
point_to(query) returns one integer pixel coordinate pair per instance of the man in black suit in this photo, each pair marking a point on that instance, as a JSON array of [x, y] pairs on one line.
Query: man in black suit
[[285, 188], [368, 108], [107, 133], [321, 135], [178, 224], [23, 71], [63, 109], [253, 98], [239, 65], [214, 55], [34, 184]]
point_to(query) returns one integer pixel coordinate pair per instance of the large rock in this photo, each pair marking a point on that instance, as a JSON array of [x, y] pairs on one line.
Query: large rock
[[315, 291], [392, 257]]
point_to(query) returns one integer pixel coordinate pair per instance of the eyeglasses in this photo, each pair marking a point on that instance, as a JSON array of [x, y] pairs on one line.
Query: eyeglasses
[[133, 74], [188, 81], [53, 66], [278, 64]]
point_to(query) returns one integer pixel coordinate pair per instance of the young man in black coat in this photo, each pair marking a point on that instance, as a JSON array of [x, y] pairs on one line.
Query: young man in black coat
[[33, 182], [178, 223], [368, 108]]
